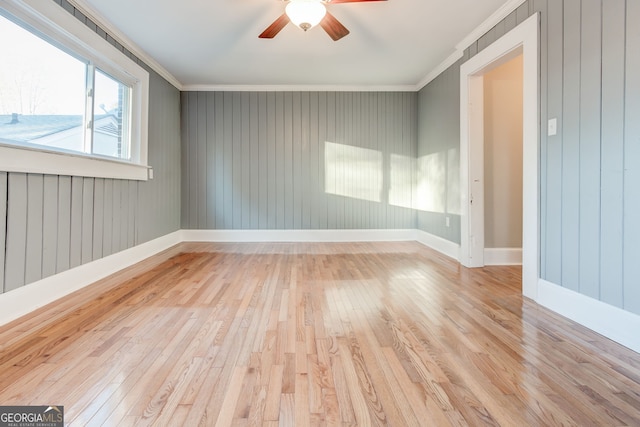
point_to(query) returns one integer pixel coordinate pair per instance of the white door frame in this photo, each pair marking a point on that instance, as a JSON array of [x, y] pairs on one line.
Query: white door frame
[[521, 40]]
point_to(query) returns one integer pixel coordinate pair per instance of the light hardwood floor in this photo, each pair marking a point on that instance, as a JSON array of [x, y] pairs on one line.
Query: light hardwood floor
[[314, 334]]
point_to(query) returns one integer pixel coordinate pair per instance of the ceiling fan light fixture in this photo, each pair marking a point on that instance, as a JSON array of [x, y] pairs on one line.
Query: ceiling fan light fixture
[[305, 14]]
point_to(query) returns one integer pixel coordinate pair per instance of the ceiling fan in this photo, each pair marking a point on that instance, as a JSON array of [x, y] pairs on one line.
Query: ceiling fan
[[307, 14]]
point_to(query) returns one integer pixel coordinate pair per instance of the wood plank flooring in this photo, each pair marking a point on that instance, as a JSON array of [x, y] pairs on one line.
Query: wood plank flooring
[[314, 334]]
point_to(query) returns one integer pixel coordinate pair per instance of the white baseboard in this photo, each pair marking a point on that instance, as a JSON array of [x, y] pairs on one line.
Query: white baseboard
[[503, 256], [239, 236], [26, 299], [612, 322], [439, 244]]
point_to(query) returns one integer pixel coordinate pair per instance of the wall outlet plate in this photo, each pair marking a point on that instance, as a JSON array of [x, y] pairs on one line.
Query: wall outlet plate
[[552, 127]]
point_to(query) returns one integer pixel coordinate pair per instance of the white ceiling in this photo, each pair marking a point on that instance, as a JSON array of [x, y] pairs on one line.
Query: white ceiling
[[393, 43]]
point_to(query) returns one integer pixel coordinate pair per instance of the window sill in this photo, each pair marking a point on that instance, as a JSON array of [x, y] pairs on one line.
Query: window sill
[[27, 160]]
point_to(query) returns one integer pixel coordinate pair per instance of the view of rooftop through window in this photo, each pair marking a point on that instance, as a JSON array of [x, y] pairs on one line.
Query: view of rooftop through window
[[50, 98]]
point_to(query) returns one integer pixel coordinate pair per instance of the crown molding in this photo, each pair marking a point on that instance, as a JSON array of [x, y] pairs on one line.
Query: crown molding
[[474, 35], [299, 88], [125, 41]]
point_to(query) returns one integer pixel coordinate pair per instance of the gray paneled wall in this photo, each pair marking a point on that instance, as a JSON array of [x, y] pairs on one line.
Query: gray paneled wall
[[298, 160], [50, 223], [439, 138], [589, 171]]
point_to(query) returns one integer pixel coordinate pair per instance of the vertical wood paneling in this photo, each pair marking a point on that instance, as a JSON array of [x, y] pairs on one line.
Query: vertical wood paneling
[[133, 211], [185, 204], [266, 157], [201, 166], [220, 159], [246, 157], [87, 220], [211, 163], [64, 224], [235, 219], [510, 21], [331, 137], [75, 239], [3, 226], [341, 112], [279, 166], [50, 225], [347, 120], [16, 231], [192, 101], [612, 151], [305, 177], [632, 161], [552, 193], [571, 146], [124, 214], [522, 12], [107, 225], [116, 218], [271, 165], [297, 159], [35, 208], [381, 132], [255, 161], [288, 160], [262, 154], [590, 79], [98, 218], [540, 6], [228, 157], [321, 201]]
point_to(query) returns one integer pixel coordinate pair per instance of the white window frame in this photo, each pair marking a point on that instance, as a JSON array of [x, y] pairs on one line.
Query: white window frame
[[56, 23]]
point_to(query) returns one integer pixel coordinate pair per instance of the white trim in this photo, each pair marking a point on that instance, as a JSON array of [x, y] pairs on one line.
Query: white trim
[[612, 322], [503, 256], [437, 243], [28, 298], [238, 236], [300, 88], [125, 41], [525, 38], [22, 159]]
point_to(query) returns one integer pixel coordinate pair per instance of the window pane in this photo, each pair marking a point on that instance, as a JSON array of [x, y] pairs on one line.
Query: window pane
[[111, 114], [42, 92]]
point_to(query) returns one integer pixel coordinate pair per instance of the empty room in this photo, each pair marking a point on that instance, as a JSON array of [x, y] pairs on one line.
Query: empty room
[[319, 213]]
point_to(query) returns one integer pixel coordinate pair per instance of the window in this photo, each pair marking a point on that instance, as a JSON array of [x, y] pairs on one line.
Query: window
[[70, 103]]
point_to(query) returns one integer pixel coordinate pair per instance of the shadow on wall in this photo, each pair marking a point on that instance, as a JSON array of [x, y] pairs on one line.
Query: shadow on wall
[[414, 183]]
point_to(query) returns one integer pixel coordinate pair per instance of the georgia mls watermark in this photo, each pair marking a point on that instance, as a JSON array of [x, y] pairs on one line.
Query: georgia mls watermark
[[31, 416]]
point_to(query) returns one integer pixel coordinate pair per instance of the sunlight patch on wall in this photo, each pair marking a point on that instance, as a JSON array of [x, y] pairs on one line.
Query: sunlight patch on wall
[[353, 172], [453, 181], [401, 181], [431, 175]]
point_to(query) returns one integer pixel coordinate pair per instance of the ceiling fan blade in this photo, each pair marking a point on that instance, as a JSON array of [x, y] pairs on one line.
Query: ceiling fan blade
[[273, 29], [333, 27], [349, 1]]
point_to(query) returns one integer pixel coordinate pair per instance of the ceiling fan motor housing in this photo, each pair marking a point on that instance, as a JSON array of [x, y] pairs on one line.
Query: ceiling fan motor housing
[[306, 13]]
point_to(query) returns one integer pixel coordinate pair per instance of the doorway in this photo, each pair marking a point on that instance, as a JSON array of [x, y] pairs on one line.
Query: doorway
[[522, 40]]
